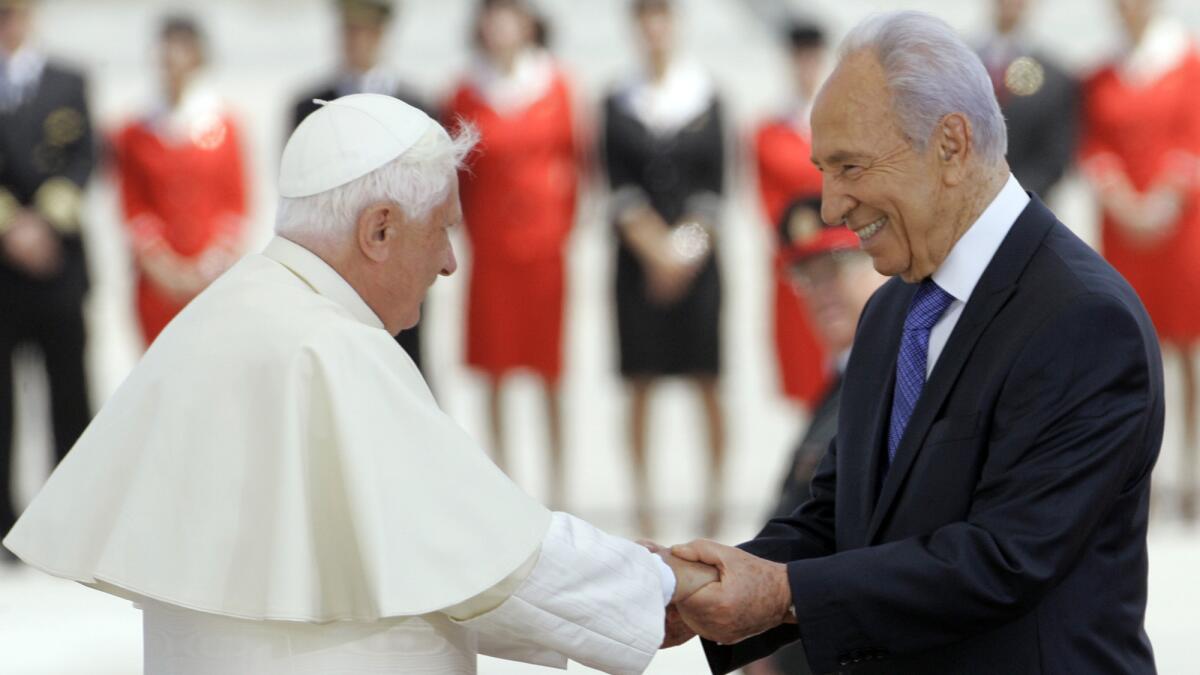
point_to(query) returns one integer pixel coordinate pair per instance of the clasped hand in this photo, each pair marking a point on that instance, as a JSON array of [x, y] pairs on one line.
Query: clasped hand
[[723, 593]]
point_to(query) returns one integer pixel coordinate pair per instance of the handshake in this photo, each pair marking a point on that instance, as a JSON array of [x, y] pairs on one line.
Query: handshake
[[722, 593]]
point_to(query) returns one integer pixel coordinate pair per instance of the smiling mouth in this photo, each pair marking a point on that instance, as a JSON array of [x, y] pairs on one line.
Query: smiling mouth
[[871, 230]]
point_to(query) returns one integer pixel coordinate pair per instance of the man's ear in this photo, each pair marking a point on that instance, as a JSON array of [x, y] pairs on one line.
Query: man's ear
[[953, 144], [375, 229]]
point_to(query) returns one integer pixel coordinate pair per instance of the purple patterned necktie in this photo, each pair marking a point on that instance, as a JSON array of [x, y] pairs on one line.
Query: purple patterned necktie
[[928, 305]]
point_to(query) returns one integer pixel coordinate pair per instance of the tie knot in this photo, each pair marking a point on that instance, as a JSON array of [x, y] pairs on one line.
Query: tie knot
[[928, 305]]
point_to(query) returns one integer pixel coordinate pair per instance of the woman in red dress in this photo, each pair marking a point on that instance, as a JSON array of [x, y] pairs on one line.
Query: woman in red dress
[[518, 198], [1141, 151], [782, 148], [182, 186]]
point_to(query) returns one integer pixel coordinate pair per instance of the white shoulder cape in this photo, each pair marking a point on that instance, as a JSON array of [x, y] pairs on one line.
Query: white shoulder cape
[[276, 455]]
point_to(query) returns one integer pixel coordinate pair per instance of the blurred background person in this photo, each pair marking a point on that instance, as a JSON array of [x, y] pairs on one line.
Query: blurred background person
[[183, 193], [364, 25], [1141, 152], [518, 197], [835, 278], [1040, 101], [46, 156], [664, 153], [785, 172]]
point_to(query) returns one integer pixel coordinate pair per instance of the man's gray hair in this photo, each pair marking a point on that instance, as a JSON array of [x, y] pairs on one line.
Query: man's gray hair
[[418, 181], [931, 73]]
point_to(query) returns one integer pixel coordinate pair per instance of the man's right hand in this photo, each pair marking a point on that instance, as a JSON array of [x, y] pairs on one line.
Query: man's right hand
[[689, 578]]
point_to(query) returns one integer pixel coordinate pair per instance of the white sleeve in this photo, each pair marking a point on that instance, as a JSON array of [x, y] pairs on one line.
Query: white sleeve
[[591, 597]]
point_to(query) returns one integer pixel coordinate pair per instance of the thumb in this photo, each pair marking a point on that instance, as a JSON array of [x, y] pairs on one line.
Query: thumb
[[700, 550]]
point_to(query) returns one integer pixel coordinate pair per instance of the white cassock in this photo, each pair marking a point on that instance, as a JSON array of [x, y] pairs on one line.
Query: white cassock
[[276, 487]]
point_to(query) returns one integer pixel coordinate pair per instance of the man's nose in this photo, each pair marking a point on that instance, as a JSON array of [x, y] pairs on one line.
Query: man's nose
[[836, 204]]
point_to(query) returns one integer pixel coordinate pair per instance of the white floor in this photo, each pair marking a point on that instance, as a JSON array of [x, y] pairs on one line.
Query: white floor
[[51, 627]]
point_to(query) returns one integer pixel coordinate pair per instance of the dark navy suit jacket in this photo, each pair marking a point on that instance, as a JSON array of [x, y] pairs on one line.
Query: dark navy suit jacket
[[1009, 535]]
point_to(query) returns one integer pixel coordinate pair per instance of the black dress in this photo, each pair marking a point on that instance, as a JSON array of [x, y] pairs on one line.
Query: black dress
[[409, 339], [677, 174]]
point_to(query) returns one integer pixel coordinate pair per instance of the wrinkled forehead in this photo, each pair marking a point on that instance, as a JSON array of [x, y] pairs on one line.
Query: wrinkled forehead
[[853, 110]]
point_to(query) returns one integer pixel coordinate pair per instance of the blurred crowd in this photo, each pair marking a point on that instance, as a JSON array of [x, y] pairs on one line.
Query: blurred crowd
[[663, 143]]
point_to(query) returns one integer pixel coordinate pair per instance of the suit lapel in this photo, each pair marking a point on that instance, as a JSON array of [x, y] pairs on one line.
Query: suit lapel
[[995, 287]]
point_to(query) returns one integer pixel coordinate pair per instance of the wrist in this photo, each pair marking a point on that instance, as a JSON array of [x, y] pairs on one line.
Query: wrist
[[783, 590], [670, 583]]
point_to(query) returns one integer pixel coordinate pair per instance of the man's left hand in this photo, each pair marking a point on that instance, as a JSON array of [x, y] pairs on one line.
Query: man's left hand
[[752, 596]]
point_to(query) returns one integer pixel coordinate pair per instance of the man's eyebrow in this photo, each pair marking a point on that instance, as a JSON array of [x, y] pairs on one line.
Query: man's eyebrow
[[839, 157]]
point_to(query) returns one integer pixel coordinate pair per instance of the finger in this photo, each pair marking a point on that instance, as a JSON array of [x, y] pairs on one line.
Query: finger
[[677, 638], [651, 546], [703, 550], [676, 631], [686, 551]]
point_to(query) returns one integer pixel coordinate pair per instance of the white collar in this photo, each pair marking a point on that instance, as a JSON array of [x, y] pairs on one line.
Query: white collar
[[666, 106], [196, 119], [377, 80], [962, 269], [322, 278], [1001, 49], [841, 360], [1164, 43], [23, 67], [510, 93]]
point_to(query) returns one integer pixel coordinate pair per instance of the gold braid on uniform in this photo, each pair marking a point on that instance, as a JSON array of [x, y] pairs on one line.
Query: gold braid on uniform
[[8, 210], [58, 201]]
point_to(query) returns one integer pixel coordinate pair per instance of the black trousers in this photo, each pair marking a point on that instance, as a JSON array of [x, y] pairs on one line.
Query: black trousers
[[50, 319]]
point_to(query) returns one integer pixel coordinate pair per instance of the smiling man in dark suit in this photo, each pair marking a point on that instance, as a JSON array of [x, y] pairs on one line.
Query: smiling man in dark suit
[[983, 506]]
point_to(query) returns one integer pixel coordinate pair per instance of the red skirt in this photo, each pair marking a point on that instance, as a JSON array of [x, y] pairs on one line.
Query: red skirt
[[515, 316], [1166, 276]]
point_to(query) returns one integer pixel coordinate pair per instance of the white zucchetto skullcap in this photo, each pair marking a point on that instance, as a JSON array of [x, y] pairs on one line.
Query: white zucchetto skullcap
[[348, 138]]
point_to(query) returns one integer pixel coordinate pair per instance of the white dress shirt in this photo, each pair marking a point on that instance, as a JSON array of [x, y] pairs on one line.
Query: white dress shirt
[[971, 255]]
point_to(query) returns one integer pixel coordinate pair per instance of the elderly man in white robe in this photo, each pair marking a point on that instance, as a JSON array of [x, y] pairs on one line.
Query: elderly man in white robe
[[276, 488]]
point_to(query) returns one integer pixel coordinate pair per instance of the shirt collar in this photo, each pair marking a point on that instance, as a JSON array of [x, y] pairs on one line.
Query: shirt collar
[[24, 67], [1163, 45], [972, 253], [322, 278], [841, 361]]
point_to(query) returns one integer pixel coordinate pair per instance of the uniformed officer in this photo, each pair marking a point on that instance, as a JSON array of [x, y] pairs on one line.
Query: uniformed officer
[[46, 155]]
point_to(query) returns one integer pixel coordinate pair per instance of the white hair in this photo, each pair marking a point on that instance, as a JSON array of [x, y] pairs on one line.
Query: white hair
[[417, 181], [931, 73]]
